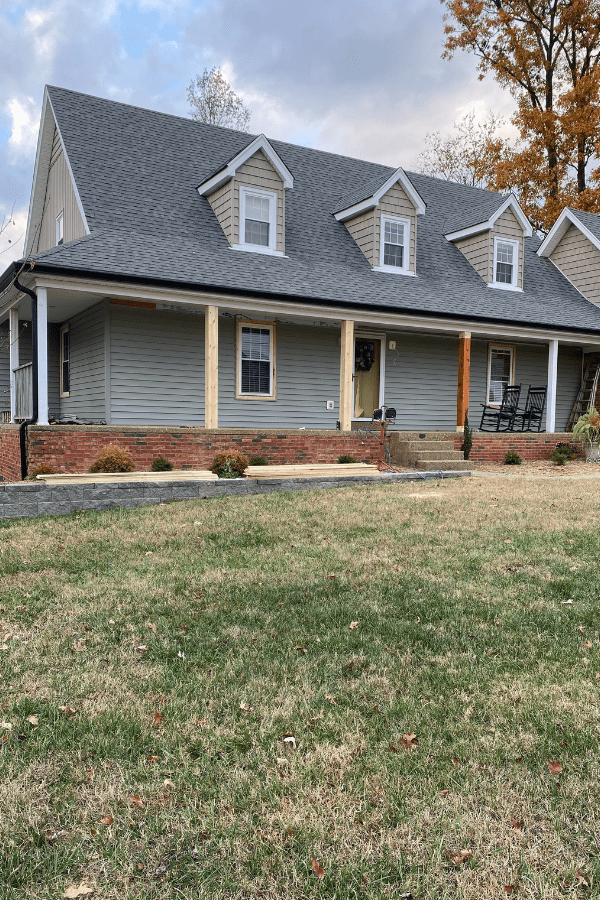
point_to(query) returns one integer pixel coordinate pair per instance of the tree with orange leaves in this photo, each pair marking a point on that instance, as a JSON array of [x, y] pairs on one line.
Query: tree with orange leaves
[[547, 52]]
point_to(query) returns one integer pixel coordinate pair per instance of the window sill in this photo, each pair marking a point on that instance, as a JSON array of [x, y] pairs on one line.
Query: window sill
[[505, 287], [256, 248], [394, 270], [62, 396], [239, 396]]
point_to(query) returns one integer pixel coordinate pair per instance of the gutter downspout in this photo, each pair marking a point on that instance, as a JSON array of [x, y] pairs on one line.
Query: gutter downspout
[[34, 376]]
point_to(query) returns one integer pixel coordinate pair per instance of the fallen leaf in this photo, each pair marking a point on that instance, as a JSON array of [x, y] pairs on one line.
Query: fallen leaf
[[157, 717], [168, 783], [319, 872], [581, 880], [444, 793], [456, 761], [245, 706], [459, 858], [106, 820], [79, 647], [554, 768], [409, 741], [570, 600], [139, 866], [508, 541], [137, 801], [281, 761], [291, 741], [6, 725], [153, 759], [82, 891], [33, 720], [509, 888], [151, 626], [141, 648], [587, 644], [68, 711], [514, 823], [353, 624], [332, 577]]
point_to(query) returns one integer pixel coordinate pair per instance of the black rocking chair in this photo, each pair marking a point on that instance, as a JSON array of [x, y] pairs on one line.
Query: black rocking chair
[[502, 417], [530, 419]]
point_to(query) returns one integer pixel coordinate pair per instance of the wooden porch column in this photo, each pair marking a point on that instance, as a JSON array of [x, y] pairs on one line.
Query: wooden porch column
[[552, 378], [13, 338], [464, 374], [42, 355], [346, 371], [211, 367]]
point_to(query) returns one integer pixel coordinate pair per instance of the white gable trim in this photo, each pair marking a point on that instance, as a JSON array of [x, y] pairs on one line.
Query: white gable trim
[[41, 171], [259, 143], [560, 228], [372, 202], [511, 202]]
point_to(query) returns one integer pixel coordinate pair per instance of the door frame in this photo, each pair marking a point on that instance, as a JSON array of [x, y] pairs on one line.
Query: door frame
[[373, 335]]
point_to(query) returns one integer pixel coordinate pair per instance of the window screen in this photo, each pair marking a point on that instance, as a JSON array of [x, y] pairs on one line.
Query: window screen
[[257, 220], [64, 362], [500, 373], [393, 244], [504, 263], [256, 360]]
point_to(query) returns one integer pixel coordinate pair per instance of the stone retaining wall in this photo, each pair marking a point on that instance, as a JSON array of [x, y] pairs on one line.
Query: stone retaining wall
[[18, 501]]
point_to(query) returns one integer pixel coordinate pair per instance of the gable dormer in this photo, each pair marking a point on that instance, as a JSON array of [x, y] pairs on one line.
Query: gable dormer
[[494, 242], [573, 245], [382, 219], [248, 198]]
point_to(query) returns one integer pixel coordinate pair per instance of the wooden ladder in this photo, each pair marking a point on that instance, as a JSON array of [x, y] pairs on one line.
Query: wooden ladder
[[587, 392]]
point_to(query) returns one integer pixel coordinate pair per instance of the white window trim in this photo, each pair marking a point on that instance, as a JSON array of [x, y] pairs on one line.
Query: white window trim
[[511, 379], [369, 336], [271, 196], [60, 228], [248, 323], [64, 329], [397, 270], [513, 286]]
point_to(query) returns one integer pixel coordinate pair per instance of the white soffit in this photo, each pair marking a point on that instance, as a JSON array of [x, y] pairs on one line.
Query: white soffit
[[511, 202], [40, 176], [372, 202], [560, 228], [228, 172]]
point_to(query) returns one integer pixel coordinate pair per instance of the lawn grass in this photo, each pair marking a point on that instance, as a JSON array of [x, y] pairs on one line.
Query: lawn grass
[[167, 652]]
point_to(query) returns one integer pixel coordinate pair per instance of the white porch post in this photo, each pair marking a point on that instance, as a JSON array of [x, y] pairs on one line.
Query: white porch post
[[346, 368], [211, 367], [551, 396], [13, 338], [42, 355]]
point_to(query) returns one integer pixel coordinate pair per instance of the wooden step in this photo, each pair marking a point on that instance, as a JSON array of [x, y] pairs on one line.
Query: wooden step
[[115, 477], [326, 470]]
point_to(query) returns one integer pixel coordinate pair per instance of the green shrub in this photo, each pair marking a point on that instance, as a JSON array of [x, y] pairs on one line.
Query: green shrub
[[560, 458], [229, 464], [566, 450], [512, 458], [42, 470], [467, 443], [112, 459], [160, 464], [259, 461], [346, 458]]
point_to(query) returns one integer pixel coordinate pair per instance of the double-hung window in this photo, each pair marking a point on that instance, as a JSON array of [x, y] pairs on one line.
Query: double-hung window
[[258, 220], [394, 245], [65, 361], [506, 262], [256, 360], [501, 372]]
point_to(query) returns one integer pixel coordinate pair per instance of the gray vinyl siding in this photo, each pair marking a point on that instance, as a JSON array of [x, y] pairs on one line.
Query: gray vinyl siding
[[531, 370], [156, 367], [307, 375], [86, 397], [53, 370], [421, 381], [579, 260], [4, 368]]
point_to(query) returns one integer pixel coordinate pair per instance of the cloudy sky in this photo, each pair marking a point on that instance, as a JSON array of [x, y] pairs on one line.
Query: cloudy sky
[[359, 78]]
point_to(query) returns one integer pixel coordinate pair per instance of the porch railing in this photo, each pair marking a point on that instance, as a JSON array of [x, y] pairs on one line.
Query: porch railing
[[23, 391]]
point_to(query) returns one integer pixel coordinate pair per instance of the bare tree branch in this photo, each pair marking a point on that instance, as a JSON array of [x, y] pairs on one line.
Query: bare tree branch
[[214, 102]]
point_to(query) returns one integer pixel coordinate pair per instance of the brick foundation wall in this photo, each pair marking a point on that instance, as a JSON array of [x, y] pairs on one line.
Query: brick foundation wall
[[71, 448], [10, 453], [492, 448]]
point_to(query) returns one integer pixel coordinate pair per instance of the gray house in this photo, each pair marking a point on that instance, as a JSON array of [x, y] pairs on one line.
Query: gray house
[[193, 275]]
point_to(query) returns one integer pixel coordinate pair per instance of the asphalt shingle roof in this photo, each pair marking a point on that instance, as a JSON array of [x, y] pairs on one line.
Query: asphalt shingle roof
[[481, 209], [137, 173], [590, 220]]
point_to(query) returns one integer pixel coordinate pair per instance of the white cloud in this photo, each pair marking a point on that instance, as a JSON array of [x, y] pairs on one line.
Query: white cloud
[[25, 114]]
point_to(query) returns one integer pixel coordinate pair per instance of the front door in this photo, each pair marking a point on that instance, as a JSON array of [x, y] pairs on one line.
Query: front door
[[367, 376]]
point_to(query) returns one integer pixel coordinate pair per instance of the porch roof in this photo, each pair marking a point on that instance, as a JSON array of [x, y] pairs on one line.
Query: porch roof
[[137, 171]]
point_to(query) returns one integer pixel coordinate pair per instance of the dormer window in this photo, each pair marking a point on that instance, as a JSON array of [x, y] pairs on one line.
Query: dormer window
[[395, 240], [506, 254], [258, 210], [59, 228]]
